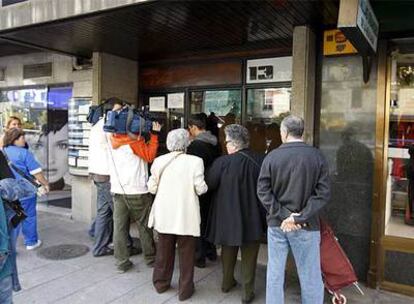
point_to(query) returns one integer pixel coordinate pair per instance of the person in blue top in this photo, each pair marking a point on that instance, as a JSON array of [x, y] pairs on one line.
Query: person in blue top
[[14, 144], [10, 192]]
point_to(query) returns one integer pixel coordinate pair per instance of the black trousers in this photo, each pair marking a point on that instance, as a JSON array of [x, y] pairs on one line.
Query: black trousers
[[204, 247]]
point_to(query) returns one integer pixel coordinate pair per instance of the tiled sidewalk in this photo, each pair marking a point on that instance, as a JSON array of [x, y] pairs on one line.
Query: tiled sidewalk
[[94, 280]]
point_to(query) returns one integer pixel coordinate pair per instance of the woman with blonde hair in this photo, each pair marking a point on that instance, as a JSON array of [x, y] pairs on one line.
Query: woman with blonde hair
[[12, 122], [177, 179]]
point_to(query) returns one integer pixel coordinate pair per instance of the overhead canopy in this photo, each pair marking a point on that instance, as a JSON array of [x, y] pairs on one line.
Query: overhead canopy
[[160, 29]]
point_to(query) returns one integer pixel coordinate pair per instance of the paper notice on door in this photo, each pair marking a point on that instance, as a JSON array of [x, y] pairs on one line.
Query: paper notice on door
[[157, 104], [176, 101]]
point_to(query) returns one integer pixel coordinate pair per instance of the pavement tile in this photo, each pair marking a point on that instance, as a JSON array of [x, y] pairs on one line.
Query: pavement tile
[[93, 280]]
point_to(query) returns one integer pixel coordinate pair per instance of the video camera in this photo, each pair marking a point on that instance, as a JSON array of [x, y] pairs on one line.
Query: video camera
[[128, 120]]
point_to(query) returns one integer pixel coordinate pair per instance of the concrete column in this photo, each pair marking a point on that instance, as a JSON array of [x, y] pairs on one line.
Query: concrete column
[[303, 78], [112, 76]]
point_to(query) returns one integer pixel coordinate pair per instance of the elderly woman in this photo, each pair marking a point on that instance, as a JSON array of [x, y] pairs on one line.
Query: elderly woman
[[177, 179], [237, 218]]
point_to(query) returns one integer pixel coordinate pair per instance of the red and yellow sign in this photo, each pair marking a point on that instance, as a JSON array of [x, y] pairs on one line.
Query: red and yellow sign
[[335, 43]]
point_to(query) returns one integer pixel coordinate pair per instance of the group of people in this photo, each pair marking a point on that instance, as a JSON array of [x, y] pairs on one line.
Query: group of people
[[196, 199]]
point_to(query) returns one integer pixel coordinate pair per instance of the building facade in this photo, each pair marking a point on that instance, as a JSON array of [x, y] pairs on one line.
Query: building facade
[[249, 63]]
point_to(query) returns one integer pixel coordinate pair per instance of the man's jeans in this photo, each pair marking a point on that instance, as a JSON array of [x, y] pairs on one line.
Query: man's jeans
[[306, 251], [6, 292], [103, 222]]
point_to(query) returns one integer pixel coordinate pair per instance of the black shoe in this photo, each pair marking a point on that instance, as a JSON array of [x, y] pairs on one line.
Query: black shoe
[[212, 256], [125, 267], [227, 289], [134, 251], [200, 263], [105, 251], [249, 299]]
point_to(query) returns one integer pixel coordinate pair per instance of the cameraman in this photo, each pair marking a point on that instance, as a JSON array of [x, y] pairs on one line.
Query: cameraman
[[129, 175]]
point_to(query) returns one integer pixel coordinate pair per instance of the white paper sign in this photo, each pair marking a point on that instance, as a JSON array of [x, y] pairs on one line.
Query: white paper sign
[[176, 101], [157, 104]]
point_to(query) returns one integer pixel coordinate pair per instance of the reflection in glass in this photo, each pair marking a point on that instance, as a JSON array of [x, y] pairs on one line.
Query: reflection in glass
[[347, 140], [266, 108], [222, 106], [399, 213]]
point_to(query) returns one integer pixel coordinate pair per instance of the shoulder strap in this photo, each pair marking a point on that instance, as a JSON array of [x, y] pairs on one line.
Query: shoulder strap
[[167, 164], [30, 179], [250, 158]]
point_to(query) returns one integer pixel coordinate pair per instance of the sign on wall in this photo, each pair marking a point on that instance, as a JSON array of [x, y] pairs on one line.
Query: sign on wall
[[157, 104], [358, 22], [175, 101], [335, 43], [269, 70]]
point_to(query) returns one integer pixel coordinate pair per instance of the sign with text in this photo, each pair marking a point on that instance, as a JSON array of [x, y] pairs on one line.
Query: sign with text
[[269, 70], [335, 43], [359, 24], [157, 104], [175, 101]]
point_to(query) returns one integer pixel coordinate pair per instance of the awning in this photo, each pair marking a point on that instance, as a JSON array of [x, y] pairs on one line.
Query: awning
[[168, 29]]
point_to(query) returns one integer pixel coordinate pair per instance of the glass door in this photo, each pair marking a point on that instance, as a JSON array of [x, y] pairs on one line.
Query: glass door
[[399, 205], [266, 108], [168, 110], [222, 107]]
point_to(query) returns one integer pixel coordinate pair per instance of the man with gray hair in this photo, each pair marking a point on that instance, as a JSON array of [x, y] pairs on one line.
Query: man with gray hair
[[293, 186]]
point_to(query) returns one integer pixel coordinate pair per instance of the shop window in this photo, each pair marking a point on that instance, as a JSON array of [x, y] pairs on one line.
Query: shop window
[[223, 107], [44, 115], [399, 213], [265, 110]]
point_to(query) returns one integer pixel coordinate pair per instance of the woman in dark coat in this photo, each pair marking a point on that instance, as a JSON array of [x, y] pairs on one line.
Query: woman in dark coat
[[236, 219]]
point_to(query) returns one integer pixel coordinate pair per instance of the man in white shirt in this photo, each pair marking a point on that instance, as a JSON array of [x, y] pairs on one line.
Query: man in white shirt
[[99, 172]]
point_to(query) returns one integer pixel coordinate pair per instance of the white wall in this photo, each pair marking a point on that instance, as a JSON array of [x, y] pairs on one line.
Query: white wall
[[62, 72], [37, 11]]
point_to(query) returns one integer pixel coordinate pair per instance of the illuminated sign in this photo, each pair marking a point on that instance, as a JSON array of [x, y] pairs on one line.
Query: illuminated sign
[[335, 43], [358, 22]]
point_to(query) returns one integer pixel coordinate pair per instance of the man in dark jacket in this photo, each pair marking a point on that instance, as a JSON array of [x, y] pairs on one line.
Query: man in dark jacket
[[236, 216], [203, 145], [294, 186]]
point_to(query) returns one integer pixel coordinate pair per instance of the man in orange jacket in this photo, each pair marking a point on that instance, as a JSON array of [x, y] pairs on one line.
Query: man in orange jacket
[[128, 167]]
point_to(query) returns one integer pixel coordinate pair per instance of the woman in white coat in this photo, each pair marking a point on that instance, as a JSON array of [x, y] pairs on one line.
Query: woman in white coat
[[177, 179]]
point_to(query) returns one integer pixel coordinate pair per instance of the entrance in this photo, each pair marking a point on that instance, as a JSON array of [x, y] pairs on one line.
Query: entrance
[[260, 109]]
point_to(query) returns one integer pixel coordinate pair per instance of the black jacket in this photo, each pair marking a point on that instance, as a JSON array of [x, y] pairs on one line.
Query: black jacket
[[204, 146], [236, 215], [294, 179]]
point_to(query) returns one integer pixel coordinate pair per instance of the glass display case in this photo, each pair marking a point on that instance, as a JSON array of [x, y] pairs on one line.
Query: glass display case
[[79, 130]]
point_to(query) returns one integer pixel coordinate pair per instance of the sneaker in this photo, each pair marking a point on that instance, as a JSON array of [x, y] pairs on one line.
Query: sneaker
[[125, 267], [104, 252], [33, 247], [200, 263]]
